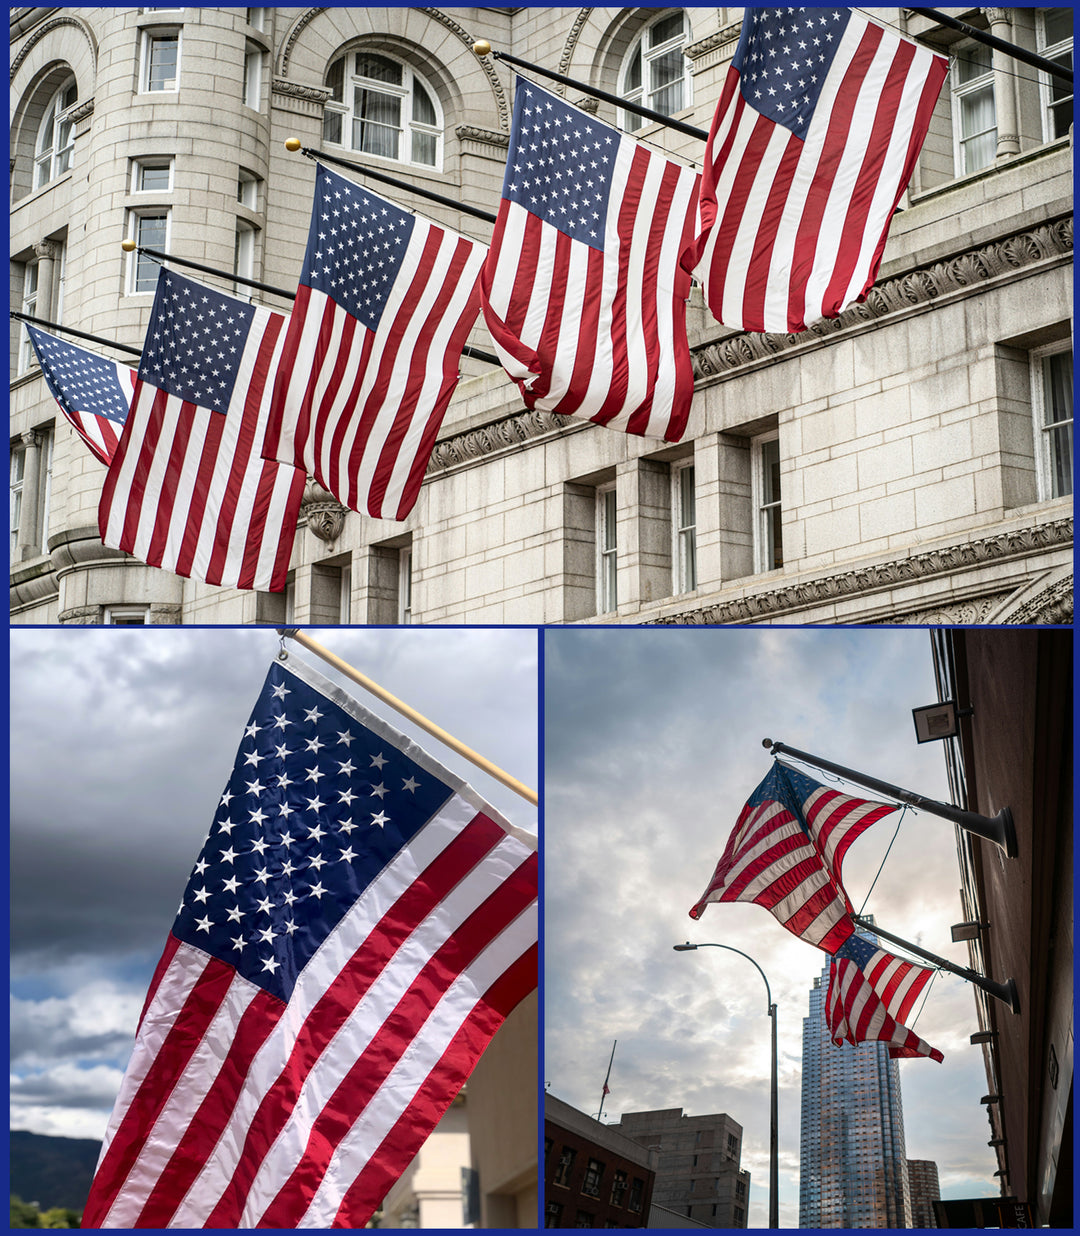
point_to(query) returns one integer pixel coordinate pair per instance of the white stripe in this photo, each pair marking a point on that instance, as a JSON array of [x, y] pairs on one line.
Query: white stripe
[[417, 1063], [323, 968], [296, 382], [778, 284], [366, 1021], [191, 1088]]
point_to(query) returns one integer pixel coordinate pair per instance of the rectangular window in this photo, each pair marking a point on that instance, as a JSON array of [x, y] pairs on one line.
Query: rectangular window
[[1055, 34], [593, 1172], [637, 1194], [583, 1219], [618, 1189], [160, 67], [553, 1214], [253, 77], [150, 231], [684, 521], [30, 491], [247, 190], [27, 356], [244, 258], [257, 18], [974, 116], [151, 176], [1052, 401], [768, 537], [125, 615], [566, 1165], [607, 591]]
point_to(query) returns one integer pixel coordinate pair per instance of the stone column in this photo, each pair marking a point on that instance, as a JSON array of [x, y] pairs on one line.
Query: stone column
[[1008, 124], [46, 255], [26, 540]]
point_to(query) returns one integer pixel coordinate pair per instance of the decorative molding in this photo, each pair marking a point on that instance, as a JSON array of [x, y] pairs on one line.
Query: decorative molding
[[322, 512], [500, 435], [46, 250], [590, 104], [961, 614], [486, 137], [302, 22], [64, 20], [293, 90], [1051, 606], [485, 63], [572, 40], [82, 111], [909, 291], [862, 581], [713, 48]]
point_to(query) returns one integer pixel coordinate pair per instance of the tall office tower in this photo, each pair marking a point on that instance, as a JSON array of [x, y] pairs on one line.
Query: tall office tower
[[853, 1166], [924, 1191]]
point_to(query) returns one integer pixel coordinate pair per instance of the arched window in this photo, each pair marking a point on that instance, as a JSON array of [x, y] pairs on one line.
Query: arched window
[[56, 136], [655, 72], [381, 107]]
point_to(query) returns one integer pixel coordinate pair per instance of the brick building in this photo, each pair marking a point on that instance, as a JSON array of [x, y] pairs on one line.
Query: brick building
[[909, 462], [924, 1191]]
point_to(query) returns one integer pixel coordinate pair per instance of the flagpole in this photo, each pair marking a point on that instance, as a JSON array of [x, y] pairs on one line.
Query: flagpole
[[999, 829], [604, 1093], [1005, 992], [159, 256], [483, 48], [400, 706], [80, 334]]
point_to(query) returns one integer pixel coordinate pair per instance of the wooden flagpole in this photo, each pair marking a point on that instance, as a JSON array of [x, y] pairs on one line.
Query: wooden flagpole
[[400, 706]]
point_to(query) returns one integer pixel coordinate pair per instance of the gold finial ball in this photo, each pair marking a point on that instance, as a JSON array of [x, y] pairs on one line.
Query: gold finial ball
[[128, 246], [292, 143], [482, 47]]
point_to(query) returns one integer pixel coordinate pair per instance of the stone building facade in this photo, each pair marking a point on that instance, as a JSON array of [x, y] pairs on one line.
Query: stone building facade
[[698, 1173], [908, 462]]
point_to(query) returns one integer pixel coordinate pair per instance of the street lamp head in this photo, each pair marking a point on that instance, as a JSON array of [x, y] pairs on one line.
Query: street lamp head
[[682, 948]]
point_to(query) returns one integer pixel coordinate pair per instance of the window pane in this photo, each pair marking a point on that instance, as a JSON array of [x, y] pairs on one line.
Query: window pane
[[973, 62], [1058, 384], [1061, 471], [686, 498], [375, 131], [423, 110], [335, 80], [153, 178], [609, 519], [633, 73], [378, 68], [666, 28], [424, 148], [163, 63], [669, 100], [1058, 25], [331, 127], [770, 467], [977, 113]]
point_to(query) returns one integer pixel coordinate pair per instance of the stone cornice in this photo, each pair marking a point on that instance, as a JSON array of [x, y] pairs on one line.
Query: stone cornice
[[713, 48], [486, 137], [904, 293], [293, 90], [500, 435], [862, 581]]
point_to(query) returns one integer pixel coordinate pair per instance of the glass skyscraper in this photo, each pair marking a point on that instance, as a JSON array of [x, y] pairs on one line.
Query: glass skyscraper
[[852, 1160]]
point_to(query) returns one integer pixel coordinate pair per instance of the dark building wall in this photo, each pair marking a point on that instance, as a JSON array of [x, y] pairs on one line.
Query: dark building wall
[[577, 1195], [1016, 751]]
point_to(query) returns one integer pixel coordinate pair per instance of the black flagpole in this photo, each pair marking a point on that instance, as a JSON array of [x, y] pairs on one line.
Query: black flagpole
[[991, 40], [1005, 992], [604, 1092], [159, 256], [999, 828], [68, 330], [688, 129]]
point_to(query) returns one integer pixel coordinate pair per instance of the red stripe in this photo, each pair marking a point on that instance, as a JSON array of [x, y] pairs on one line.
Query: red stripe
[[165, 961], [180, 1044], [424, 359], [286, 368], [832, 151], [767, 234], [377, 1061], [198, 511], [862, 195], [210, 1121], [348, 414], [557, 292], [505, 337], [341, 997], [586, 330], [170, 480], [331, 418], [714, 159], [434, 1097]]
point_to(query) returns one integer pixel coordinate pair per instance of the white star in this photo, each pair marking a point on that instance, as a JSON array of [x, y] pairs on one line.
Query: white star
[[317, 890], [203, 924], [271, 965], [377, 761], [380, 819], [201, 894], [280, 691], [410, 785], [238, 942]]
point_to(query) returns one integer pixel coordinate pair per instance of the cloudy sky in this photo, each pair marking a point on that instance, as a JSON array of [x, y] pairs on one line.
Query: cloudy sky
[[652, 746], [122, 740]]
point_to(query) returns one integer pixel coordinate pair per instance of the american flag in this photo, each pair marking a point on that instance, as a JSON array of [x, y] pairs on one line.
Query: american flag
[[93, 393], [785, 853], [582, 291], [187, 489], [358, 925], [815, 137], [871, 994], [385, 304]]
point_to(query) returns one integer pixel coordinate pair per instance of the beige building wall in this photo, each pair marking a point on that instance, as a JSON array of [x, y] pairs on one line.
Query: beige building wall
[[503, 1121], [428, 1193]]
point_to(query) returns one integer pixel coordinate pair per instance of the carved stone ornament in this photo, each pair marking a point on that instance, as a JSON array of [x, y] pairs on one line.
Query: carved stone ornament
[[500, 435], [488, 137], [917, 287], [881, 576], [1052, 606], [293, 90], [572, 41], [55, 23], [322, 512]]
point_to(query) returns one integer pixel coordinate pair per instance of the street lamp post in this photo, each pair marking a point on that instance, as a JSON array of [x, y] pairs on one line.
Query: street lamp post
[[774, 1168]]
